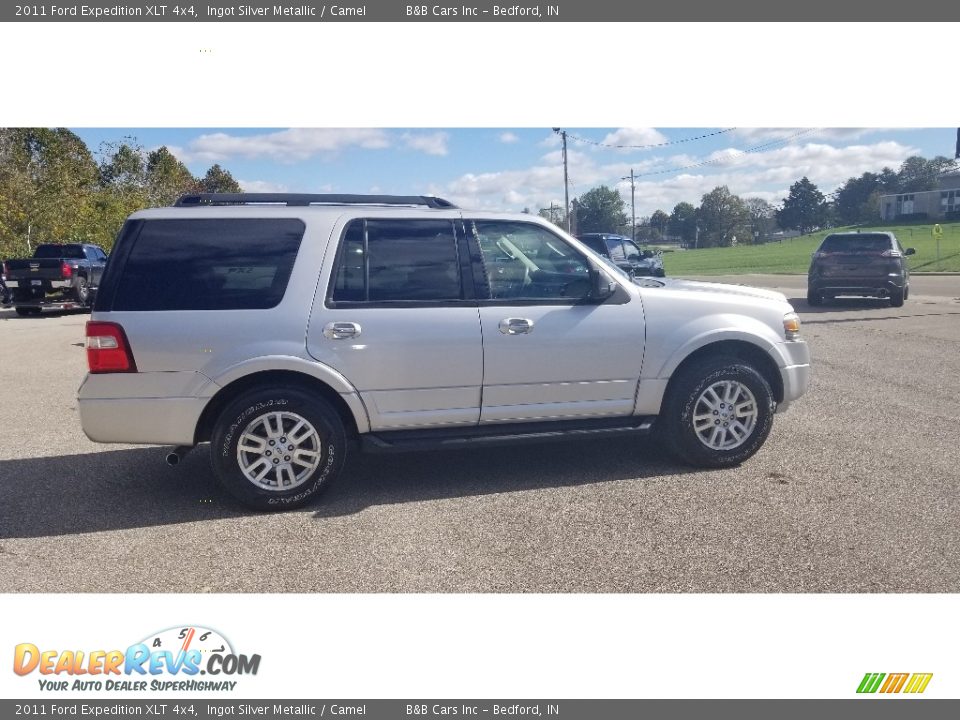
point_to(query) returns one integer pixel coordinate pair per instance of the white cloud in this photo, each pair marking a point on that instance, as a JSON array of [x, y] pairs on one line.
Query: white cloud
[[766, 175], [286, 146], [429, 143], [262, 186], [755, 136], [508, 138], [634, 136]]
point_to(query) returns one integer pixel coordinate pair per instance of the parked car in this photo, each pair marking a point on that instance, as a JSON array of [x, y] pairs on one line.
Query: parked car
[[282, 328], [625, 254], [867, 264], [57, 276]]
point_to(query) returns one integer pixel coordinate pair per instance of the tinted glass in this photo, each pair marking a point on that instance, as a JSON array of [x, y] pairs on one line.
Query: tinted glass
[[215, 264], [73, 252], [398, 260], [615, 249], [595, 243], [633, 252], [526, 261], [861, 242]]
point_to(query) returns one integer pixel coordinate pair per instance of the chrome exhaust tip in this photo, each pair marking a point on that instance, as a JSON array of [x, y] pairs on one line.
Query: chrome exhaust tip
[[176, 455]]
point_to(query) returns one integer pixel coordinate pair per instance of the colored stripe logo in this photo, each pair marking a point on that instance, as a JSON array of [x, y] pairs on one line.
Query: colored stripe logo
[[914, 683]]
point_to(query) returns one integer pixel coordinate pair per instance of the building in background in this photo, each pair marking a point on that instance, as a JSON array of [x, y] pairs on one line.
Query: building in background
[[940, 204]]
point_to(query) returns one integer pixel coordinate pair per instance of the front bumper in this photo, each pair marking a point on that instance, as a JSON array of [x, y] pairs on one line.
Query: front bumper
[[795, 375]]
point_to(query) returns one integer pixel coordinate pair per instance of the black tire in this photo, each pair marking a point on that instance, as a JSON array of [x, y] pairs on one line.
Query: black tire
[[659, 272], [897, 297], [25, 311], [81, 291], [814, 297], [675, 426], [257, 406]]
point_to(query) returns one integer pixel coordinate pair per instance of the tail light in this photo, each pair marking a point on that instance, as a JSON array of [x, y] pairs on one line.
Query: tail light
[[108, 350], [891, 254], [6, 270], [65, 270]]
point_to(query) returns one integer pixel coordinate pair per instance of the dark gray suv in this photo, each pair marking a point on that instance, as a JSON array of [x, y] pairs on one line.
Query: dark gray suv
[[867, 264]]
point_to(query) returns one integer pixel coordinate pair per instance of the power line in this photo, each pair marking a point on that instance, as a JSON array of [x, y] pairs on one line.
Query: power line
[[650, 145]]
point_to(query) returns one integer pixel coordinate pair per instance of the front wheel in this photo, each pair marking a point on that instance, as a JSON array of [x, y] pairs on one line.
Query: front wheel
[[276, 449], [718, 413]]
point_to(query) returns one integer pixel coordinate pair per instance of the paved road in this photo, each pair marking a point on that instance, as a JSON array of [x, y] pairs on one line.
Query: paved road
[[857, 489]]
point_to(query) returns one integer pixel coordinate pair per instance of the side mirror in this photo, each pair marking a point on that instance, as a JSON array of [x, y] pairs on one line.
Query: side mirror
[[601, 287], [910, 251]]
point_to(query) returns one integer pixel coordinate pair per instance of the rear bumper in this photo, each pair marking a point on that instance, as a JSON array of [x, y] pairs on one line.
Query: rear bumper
[[877, 286], [154, 408], [141, 421]]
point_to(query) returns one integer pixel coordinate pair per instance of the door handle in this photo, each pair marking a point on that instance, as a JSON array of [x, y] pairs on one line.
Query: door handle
[[516, 326], [341, 330]]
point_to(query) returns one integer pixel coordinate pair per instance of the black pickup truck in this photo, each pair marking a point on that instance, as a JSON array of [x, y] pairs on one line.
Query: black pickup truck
[[57, 276]]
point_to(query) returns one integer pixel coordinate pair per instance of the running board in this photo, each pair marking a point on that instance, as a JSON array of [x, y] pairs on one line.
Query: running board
[[501, 434]]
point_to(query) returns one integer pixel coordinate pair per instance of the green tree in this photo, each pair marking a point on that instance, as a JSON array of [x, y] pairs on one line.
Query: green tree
[[660, 220], [852, 202], [917, 174], [218, 180], [601, 209], [47, 179], [723, 219], [804, 209], [167, 178], [683, 222], [762, 218]]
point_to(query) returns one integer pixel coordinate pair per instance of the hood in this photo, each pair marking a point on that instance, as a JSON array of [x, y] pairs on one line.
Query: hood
[[711, 288]]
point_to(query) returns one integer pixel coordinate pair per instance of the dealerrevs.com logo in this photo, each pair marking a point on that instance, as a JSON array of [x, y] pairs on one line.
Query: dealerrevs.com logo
[[892, 683], [171, 660]]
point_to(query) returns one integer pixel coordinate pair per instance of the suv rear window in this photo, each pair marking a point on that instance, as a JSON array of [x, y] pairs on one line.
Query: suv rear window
[[209, 264], [72, 252], [862, 242]]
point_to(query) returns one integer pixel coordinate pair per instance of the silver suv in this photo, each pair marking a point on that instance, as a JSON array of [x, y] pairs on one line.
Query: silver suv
[[281, 329]]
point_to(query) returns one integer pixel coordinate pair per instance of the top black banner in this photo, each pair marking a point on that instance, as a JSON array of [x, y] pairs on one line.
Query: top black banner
[[472, 11]]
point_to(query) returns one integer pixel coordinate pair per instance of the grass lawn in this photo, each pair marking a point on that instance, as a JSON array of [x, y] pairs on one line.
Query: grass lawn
[[793, 255]]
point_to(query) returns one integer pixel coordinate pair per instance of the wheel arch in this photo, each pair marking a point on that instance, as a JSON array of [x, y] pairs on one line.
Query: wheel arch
[[740, 349], [267, 378]]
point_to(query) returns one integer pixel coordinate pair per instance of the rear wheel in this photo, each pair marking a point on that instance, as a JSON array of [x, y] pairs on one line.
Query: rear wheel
[[719, 413], [81, 291], [897, 297], [276, 449], [814, 297]]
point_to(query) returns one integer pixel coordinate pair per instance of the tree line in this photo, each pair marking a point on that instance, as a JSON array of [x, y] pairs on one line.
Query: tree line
[[54, 189], [722, 218]]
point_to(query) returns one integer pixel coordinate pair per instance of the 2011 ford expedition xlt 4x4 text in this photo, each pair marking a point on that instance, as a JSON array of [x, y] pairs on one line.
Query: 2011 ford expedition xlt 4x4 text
[[281, 328]]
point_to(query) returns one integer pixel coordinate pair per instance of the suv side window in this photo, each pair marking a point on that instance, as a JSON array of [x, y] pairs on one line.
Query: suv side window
[[615, 248], [633, 251], [397, 260], [209, 264], [523, 261]]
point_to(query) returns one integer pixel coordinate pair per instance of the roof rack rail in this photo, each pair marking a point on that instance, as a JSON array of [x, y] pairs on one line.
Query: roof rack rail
[[305, 199]]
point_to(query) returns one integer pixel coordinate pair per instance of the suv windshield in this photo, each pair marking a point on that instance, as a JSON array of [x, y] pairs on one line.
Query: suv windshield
[[860, 243]]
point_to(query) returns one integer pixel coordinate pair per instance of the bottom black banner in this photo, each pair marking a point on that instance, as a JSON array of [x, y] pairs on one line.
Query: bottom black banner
[[873, 708]]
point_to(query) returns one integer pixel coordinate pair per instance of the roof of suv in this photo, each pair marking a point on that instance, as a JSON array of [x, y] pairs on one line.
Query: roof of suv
[[306, 199]]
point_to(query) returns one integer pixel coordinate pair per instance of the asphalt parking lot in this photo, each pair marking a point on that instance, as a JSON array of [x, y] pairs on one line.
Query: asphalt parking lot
[[857, 490]]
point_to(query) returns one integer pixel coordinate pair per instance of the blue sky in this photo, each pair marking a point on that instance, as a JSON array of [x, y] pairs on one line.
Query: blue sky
[[517, 168]]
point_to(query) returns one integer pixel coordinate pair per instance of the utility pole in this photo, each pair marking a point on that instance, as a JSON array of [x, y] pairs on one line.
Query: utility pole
[[566, 182], [633, 203]]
